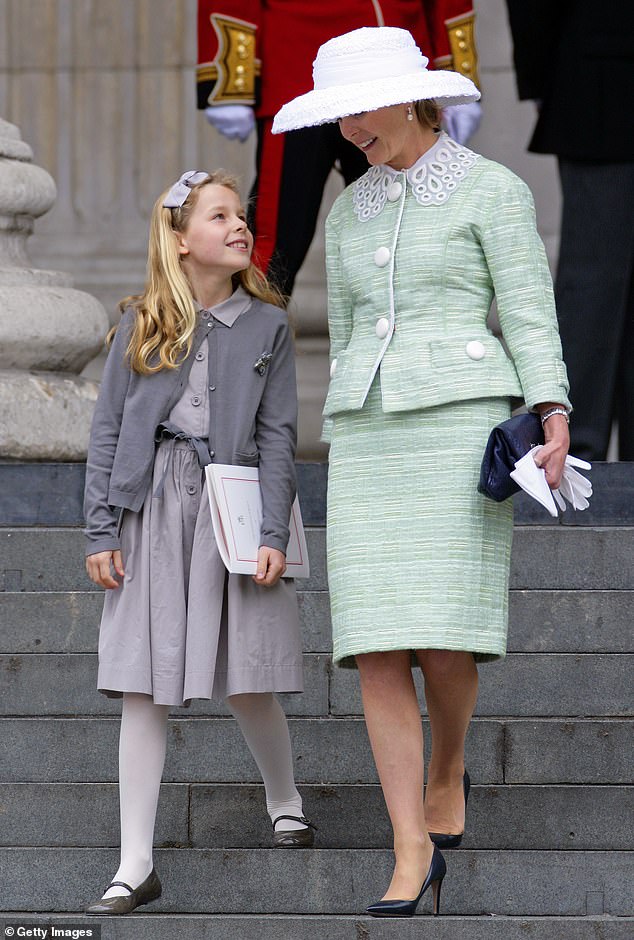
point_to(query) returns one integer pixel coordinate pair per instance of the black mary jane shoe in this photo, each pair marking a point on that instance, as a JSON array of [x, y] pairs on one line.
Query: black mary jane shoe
[[294, 838], [444, 840], [435, 875], [148, 890]]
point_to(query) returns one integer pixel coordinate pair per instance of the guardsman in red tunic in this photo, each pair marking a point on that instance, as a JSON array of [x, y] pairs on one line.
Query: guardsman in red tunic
[[255, 56]]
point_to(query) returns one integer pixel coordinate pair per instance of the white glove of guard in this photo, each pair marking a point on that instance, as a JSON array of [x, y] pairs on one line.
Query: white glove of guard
[[462, 120], [232, 120]]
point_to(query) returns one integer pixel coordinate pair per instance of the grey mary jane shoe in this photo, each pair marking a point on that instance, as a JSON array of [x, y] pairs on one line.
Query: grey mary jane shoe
[[148, 890], [294, 838]]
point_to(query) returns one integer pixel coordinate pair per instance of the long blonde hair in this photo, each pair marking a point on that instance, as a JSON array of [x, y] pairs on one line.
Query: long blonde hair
[[166, 315]]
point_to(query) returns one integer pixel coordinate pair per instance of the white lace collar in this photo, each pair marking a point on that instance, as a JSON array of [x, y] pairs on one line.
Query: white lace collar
[[433, 178]]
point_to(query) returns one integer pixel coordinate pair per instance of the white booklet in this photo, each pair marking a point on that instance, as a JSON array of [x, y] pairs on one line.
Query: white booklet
[[236, 513]]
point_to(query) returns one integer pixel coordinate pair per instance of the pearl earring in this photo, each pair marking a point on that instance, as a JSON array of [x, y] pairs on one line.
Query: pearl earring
[[410, 116]]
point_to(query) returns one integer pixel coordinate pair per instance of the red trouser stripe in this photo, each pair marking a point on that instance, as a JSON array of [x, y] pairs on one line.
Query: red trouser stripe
[[268, 194]]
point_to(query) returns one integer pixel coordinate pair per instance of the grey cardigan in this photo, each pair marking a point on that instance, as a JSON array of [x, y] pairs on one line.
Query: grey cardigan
[[252, 419]]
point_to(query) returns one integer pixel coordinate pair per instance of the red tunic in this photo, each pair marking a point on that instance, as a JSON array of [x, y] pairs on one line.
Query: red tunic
[[277, 41]]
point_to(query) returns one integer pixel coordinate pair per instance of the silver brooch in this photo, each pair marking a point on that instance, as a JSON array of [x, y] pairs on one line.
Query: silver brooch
[[261, 364]]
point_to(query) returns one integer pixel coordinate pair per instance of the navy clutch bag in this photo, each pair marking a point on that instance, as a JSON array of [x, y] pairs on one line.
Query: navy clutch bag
[[507, 443]]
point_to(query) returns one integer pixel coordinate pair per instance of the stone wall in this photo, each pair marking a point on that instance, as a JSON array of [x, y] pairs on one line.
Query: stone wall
[[103, 91]]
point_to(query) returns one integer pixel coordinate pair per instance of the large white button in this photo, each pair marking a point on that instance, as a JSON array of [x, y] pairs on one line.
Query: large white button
[[394, 191], [381, 256], [333, 367], [475, 349], [382, 327]]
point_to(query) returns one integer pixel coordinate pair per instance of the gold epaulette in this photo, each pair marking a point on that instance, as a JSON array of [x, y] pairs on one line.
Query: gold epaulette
[[464, 57], [235, 67]]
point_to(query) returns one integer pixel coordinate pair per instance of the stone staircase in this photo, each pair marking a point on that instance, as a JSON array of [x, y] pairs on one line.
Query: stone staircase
[[548, 850]]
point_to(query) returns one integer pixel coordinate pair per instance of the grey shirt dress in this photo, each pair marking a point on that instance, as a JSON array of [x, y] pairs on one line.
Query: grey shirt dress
[[180, 627]]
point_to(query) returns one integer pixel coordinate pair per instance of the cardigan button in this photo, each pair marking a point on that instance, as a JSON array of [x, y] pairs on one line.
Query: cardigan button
[[333, 367], [394, 191], [382, 327], [381, 256], [475, 350]]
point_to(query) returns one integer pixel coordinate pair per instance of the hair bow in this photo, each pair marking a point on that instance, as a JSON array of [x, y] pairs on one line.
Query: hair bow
[[181, 189]]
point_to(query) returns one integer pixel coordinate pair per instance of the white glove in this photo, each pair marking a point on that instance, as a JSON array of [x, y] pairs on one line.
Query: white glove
[[574, 487], [232, 120], [462, 120], [532, 479]]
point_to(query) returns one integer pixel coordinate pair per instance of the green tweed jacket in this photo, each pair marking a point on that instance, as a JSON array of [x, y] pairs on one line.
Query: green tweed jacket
[[414, 259]]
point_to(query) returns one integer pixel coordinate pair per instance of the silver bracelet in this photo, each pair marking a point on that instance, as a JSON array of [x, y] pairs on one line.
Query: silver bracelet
[[554, 411]]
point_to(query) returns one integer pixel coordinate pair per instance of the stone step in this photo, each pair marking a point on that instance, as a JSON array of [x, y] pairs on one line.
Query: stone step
[[333, 927], [65, 684], [544, 558], [52, 494], [325, 881], [68, 621], [539, 621], [541, 818], [588, 559], [328, 751], [564, 621], [535, 684]]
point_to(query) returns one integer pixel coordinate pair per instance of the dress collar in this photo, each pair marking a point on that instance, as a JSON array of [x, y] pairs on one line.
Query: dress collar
[[432, 179], [230, 309]]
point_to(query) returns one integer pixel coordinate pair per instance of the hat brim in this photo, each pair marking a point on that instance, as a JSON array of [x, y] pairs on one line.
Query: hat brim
[[326, 105]]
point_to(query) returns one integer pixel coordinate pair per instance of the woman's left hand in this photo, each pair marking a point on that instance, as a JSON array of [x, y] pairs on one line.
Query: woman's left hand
[[271, 566], [552, 456]]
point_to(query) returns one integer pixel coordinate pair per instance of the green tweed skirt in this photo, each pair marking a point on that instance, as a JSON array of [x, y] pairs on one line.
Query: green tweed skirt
[[417, 558]]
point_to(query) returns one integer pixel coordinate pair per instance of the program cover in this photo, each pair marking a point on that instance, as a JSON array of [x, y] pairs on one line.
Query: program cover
[[236, 513]]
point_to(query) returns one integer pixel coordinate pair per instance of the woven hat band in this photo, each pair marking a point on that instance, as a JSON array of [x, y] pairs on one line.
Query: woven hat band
[[352, 67]]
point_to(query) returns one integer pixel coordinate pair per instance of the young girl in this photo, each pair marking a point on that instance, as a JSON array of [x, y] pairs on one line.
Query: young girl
[[201, 369]]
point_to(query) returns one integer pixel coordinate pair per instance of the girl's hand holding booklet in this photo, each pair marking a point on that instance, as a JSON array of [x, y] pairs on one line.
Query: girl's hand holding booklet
[[236, 514]]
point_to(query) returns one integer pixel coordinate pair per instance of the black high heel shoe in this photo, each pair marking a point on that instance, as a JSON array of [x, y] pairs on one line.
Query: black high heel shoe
[[444, 840], [435, 875]]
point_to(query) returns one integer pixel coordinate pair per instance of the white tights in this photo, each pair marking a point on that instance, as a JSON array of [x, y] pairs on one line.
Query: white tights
[[265, 729], [142, 745]]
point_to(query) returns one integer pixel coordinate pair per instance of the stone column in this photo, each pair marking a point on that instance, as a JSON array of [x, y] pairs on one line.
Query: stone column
[[48, 331]]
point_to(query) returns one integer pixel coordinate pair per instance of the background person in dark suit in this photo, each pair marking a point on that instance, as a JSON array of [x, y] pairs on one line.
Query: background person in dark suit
[[575, 58]]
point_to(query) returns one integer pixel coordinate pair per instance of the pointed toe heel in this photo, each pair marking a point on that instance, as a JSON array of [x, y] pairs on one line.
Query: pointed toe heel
[[397, 908]]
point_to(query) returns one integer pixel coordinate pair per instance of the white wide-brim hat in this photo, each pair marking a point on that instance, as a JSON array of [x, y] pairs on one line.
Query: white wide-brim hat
[[369, 68]]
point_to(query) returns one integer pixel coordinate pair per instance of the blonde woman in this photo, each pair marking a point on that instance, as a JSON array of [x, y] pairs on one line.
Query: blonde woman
[[201, 369], [418, 560]]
